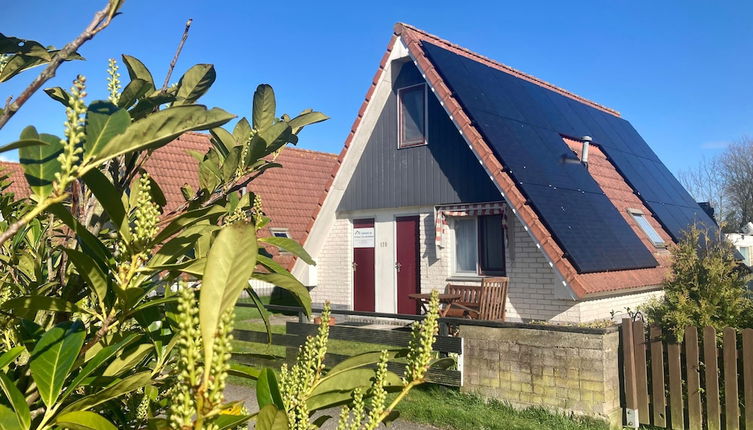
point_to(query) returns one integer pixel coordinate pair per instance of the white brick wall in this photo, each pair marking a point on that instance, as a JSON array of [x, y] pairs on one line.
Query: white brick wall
[[535, 292], [333, 266]]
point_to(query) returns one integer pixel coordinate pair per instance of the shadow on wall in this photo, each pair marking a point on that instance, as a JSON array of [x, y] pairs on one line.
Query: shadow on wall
[[430, 250]]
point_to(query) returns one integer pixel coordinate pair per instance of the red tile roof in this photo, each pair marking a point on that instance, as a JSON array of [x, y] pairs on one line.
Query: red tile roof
[[15, 174], [290, 195]]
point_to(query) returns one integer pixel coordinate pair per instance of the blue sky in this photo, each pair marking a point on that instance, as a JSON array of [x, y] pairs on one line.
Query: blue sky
[[680, 71]]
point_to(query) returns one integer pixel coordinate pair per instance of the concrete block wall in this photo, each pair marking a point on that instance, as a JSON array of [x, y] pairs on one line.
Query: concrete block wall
[[566, 371]]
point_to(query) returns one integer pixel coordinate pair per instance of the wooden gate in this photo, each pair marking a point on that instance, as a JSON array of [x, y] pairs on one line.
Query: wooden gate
[[690, 385]]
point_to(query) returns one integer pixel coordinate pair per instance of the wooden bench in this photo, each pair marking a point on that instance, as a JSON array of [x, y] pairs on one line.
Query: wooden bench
[[486, 302]]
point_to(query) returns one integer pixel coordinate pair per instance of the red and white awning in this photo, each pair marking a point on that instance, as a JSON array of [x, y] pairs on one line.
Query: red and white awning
[[470, 209]]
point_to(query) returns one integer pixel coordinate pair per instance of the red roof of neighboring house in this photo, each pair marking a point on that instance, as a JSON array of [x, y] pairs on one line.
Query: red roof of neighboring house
[[290, 195], [605, 174], [15, 174]]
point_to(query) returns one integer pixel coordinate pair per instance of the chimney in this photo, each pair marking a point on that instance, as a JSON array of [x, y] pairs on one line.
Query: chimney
[[586, 141]]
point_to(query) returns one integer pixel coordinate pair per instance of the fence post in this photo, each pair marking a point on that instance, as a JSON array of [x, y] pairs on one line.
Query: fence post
[[631, 387], [302, 318]]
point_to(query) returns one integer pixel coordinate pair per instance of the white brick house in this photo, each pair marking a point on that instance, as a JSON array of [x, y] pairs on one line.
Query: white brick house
[[447, 177]]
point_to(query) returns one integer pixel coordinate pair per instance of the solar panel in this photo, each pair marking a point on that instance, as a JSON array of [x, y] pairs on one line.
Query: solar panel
[[523, 123]]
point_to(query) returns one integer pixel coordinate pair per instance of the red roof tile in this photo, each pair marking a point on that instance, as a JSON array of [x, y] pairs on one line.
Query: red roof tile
[[15, 174]]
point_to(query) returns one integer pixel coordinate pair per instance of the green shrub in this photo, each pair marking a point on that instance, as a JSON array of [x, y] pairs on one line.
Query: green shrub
[[705, 287]]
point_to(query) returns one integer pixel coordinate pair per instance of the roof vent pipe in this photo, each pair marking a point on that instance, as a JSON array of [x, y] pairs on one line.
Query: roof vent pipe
[[586, 141]]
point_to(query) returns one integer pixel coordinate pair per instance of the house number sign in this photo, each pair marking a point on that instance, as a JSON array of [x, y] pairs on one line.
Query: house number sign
[[363, 237]]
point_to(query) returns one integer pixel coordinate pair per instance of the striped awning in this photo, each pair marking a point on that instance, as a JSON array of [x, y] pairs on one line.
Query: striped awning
[[470, 209]]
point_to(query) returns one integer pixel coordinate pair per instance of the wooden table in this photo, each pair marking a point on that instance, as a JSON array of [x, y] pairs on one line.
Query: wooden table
[[444, 299]]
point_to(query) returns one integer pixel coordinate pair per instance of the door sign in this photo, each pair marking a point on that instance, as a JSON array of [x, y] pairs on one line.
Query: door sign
[[363, 237]]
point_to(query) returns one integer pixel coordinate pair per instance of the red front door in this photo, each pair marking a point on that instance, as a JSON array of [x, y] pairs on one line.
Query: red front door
[[406, 267], [363, 265]]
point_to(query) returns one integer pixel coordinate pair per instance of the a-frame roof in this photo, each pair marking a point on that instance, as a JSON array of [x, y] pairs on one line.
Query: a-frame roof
[[521, 129]]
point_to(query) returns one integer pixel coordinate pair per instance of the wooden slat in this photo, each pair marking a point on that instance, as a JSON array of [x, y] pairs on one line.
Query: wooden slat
[[628, 359], [381, 337], [641, 378], [693, 378], [676, 415], [748, 376], [711, 374], [658, 400], [731, 405]]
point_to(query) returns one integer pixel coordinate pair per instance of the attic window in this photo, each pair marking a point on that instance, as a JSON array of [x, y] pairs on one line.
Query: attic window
[[643, 223], [411, 116], [280, 232]]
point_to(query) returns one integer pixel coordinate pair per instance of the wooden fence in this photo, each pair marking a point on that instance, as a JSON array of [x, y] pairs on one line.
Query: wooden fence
[[296, 333], [689, 385]]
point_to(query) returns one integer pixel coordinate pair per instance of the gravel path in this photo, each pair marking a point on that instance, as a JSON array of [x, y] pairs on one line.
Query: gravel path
[[248, 396]]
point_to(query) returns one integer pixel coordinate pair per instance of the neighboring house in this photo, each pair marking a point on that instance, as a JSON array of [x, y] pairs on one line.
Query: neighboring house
[[743, 241], [290, 195], [458, 167]]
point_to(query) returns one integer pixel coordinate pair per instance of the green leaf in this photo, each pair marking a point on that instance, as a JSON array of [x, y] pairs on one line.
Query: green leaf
[[222, 140], [40, 163], [21, 144], [162, 127], [8, 419], [271, 264], [230, 165], [17, 401], [288, 282], [271, 418], [8, 356], [83, 420], [264, 107], [128, 359], [291, 246], [328, 400], [59, 94], [345, 381], [137, 70], [365, 359], [267, 390], [194, 84], [53, 357], [109, 197], [90, 272], [305, 119], [125, 385], [228, 421], [180, 245], [96, 362], [89, 243], [242, 131], [262, 310], [188, 219], [230, 263], [135, 90], [104, 121], [29, 305], [319, 422], [244, 371]]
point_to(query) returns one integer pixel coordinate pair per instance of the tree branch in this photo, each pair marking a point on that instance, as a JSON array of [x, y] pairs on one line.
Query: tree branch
[[99, 22]]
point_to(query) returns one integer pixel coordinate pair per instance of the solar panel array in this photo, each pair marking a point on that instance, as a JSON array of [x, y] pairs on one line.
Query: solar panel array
[[524, 124]]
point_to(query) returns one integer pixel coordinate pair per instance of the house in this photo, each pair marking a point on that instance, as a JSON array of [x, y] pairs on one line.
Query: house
[[743, 242], [458, 167], [290, 195]]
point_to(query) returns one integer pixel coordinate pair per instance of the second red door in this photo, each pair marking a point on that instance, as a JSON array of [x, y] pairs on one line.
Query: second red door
[[406, 266]]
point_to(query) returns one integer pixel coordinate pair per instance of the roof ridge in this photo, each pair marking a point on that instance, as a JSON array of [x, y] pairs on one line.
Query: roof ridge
[[503, 67], [293, 147]]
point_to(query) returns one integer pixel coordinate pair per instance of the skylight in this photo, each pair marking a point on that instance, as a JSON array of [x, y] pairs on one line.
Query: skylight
[[643, 223]]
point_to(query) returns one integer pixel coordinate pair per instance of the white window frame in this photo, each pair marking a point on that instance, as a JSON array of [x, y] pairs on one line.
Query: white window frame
[[647, 228], [400, 144], [478, 272]]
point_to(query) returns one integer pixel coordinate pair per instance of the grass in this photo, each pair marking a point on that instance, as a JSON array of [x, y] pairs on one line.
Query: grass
[[450, 409]]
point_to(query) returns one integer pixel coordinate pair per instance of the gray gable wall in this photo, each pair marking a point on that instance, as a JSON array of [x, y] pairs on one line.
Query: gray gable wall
[[442, 172]]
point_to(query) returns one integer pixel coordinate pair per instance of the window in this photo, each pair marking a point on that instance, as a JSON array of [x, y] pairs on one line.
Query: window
[[747, 255], [411, 106], [643, 223], [479, 245], [280, 232]]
